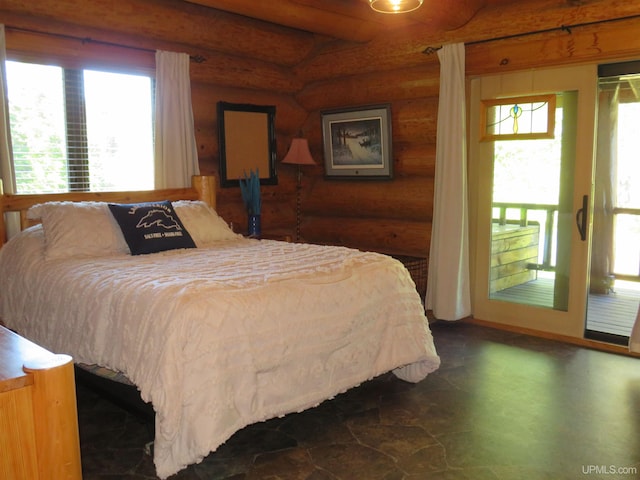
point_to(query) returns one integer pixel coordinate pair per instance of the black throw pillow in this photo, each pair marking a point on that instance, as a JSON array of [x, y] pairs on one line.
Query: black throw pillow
[[151, 227]]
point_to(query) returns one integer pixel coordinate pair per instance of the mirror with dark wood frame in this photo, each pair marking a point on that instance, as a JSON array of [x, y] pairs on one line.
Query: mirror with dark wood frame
[[247, 137]]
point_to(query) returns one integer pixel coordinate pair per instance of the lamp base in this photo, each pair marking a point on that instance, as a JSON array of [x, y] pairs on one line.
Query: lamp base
[[254, 228]]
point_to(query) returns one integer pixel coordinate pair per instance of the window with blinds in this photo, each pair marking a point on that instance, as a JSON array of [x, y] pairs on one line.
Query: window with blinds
[[80, 130]]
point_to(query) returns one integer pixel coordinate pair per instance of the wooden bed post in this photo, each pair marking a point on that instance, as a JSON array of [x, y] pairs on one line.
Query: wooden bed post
[[38, 413], [205, 186], [55, 418]]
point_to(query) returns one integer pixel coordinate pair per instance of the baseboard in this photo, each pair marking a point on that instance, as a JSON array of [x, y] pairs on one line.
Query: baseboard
[[581, 342]]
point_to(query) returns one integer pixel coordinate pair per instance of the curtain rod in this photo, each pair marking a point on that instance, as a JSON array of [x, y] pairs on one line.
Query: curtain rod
[[83, 40], [563, 28]]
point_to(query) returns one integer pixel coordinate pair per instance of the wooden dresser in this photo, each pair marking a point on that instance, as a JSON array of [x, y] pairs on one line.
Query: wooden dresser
[[38, 414]]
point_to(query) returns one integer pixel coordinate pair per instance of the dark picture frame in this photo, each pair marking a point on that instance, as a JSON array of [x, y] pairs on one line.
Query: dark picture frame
[[357, 142], [247, 140]]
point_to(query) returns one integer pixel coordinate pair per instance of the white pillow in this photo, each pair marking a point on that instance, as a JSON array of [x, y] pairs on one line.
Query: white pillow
[[203, 223], [78, 229]]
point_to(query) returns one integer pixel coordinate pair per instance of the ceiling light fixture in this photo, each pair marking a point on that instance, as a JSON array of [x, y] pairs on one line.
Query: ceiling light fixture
[[395, 6]]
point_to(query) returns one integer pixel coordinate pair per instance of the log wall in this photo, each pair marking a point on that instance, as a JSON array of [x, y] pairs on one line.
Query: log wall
[[301, 74]]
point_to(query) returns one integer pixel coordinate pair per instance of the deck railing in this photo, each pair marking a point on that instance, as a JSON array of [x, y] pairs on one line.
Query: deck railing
[[628, 211], [549, 225], [524, 208]]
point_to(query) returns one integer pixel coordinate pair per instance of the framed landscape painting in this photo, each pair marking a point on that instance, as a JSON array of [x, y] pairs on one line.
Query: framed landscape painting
[[357, 142]]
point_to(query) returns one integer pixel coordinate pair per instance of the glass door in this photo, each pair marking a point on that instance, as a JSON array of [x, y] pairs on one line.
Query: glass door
[[531, 155], [614, 284]]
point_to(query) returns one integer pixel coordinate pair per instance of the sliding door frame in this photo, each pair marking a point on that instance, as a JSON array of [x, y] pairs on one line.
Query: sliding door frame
[[584, 80]]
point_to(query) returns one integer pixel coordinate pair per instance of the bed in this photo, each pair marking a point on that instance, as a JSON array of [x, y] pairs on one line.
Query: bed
[[216, 335]]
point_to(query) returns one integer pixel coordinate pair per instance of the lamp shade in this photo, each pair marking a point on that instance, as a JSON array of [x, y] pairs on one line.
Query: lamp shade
[[395, 6], [299, 153]]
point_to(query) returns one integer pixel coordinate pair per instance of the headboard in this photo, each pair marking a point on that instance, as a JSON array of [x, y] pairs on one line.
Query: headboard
[[203, 187]]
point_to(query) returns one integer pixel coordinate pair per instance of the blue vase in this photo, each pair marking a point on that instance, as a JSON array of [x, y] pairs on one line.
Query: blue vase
[[254, 229]]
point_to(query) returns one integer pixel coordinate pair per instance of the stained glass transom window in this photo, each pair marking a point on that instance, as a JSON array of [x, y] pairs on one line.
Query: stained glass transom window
[[518, 118]]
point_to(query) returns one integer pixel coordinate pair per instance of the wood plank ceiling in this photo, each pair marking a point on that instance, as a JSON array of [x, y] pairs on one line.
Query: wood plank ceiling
[[351, 20], [317, 38], [352, 30]]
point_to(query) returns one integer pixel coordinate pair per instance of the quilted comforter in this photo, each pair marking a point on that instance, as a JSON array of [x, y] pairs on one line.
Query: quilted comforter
[[218, 338]]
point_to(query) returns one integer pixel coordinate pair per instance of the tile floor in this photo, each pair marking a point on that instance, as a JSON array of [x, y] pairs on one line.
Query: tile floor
[[502, 406]]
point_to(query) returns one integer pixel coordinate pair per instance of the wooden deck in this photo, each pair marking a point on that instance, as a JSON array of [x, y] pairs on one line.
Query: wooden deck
[[616, 312], [612, 314]]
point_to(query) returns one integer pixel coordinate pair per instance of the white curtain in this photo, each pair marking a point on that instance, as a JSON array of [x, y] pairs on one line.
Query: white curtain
[[176, 152], [6, 165], [7, 173], [448, 292], [602, 255]]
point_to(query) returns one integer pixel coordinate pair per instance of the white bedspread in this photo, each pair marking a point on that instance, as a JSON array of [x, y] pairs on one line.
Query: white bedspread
[[222, 337]]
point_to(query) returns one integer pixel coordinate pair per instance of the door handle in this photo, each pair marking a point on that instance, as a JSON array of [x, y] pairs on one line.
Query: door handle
[[581, 218]]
